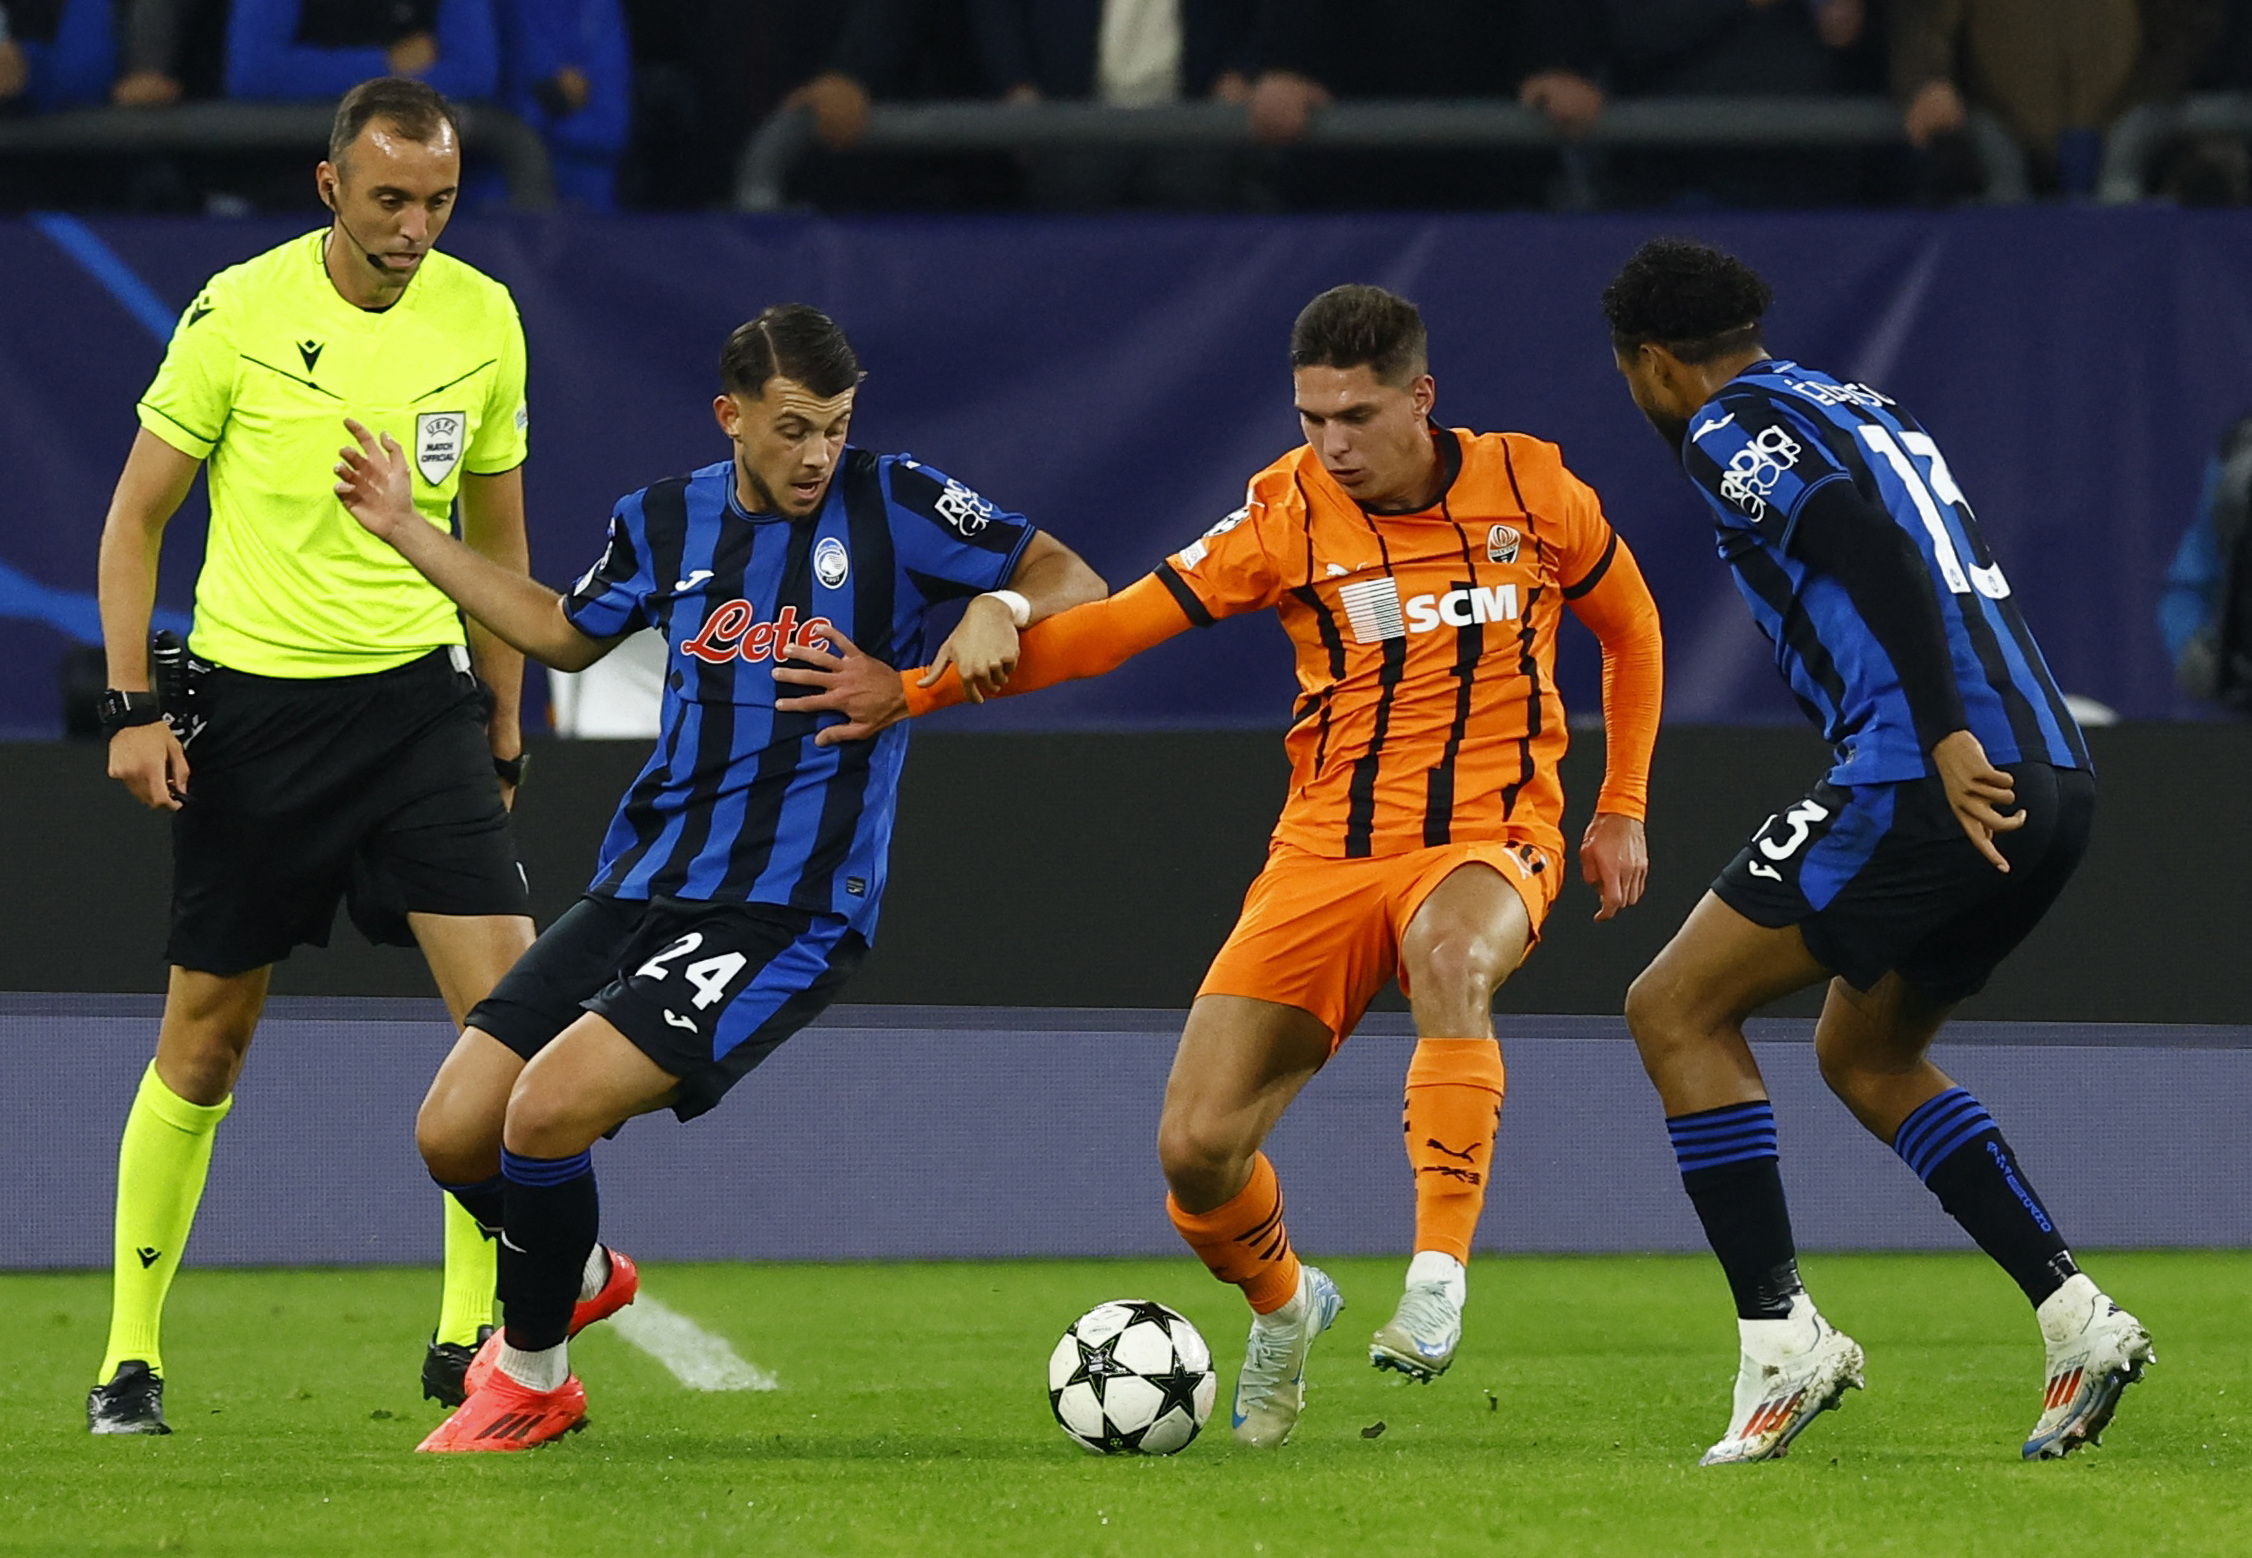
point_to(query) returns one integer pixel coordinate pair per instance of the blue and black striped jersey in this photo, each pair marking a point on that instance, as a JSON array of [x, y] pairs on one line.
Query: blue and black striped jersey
[[737, 802], [1774, 436]]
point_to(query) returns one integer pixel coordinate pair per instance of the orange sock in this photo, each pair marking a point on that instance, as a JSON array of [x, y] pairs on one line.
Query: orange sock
[[1244, 1241], [1452, 1109]]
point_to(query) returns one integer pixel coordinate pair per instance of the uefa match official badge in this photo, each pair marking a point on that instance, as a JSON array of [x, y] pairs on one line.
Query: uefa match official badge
[[438, 438], [1501, 544], [831, 562]]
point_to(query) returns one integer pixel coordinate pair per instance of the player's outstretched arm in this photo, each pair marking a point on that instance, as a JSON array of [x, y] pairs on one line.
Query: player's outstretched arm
[[492, 525], [372, 482], [1084, 641], [1049, 577], [1614, 855], [146, 759]]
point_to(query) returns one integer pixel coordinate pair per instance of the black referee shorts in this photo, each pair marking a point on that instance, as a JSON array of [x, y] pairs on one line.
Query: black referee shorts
[[378, 790], [1880, 878]]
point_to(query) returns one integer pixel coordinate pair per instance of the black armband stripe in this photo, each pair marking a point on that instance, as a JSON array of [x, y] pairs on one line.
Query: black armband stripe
[[1594, 576], [206, 438], [1178, 588]]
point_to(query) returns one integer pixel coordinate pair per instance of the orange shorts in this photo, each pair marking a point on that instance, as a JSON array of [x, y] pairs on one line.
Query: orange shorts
[[1323, 934]]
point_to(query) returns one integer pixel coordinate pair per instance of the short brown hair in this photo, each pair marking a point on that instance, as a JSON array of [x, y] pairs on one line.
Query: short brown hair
[[1353, 326], [794, 341], [416, 107]]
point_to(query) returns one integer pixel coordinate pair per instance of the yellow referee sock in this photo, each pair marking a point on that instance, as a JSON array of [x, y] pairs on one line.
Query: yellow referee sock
[[161, 1165], [472, 1270]]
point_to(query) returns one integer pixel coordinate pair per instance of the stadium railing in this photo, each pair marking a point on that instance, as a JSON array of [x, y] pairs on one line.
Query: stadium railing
[[515, 149], [2134, 142], [778, 144]]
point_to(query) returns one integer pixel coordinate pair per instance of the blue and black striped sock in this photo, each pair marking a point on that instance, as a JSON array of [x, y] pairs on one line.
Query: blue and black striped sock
[[1957, 1150], [1729, 1168], [553, 1215]]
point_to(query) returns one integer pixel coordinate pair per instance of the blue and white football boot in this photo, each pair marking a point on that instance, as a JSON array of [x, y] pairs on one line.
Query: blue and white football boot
[[1420, 1338], [2096, 1350], [1271, 1390], [1791, 1372]]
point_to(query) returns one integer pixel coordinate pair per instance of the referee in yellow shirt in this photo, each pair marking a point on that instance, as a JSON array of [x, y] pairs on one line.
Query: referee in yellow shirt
[[339, 744]]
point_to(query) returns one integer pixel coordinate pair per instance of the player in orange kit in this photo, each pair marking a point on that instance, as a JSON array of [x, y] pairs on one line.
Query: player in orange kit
[[1419, 572]]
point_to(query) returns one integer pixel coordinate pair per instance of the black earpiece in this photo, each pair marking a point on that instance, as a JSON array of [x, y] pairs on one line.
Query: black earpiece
[[328, 198]]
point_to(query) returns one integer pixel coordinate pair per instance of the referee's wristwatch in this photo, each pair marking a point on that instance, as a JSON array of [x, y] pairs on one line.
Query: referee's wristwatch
[[513, 769], [123, 710]]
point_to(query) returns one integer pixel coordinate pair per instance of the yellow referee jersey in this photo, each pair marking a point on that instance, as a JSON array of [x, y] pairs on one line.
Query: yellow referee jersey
[[263, 368]]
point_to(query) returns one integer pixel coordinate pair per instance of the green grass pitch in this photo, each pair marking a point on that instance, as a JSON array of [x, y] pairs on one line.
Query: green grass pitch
[[912, 1419]]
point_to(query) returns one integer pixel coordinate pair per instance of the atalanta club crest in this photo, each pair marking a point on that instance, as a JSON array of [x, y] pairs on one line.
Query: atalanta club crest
[[831, 563], [1501, 544]]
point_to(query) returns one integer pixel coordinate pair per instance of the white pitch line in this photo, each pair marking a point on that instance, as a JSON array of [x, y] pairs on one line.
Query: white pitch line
[[698, 1359]]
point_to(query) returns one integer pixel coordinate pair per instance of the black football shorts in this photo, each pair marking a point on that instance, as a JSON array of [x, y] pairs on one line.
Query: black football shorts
[[1880, 878], [706, 990], [377, 790]]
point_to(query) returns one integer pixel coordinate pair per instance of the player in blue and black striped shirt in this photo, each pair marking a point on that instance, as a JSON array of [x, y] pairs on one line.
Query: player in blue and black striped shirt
[[738, 885], [1958, 807]]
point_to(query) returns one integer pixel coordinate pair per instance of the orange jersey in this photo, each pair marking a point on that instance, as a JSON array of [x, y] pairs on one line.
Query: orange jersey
[[1428, 712]]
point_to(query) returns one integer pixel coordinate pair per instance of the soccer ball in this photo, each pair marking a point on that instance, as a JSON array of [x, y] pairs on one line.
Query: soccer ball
[[1131, 1377]]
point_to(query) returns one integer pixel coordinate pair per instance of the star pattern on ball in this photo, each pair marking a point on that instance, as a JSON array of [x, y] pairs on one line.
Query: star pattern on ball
[[1179, 1385], [1082, 1369], [1141, 1309], [1096, 1365]]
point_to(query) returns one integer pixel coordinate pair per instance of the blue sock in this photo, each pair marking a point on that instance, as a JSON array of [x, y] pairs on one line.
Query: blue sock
[[1729, 1167], [552, 1217], [1957, 1150]]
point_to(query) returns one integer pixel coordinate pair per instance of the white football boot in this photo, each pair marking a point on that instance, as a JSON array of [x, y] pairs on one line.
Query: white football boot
[[1792, 1371], [1271, 1390], [2096, 1350], [1420, 1338]]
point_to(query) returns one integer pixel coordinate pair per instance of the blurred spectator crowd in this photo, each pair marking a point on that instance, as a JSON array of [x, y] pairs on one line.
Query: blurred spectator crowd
[[648, 103]]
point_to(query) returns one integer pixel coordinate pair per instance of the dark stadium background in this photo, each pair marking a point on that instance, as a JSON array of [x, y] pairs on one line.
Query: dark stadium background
[[1118, 378]]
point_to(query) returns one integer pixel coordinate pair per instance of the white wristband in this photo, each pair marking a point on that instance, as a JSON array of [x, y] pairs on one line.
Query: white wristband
[[1020, 609]]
